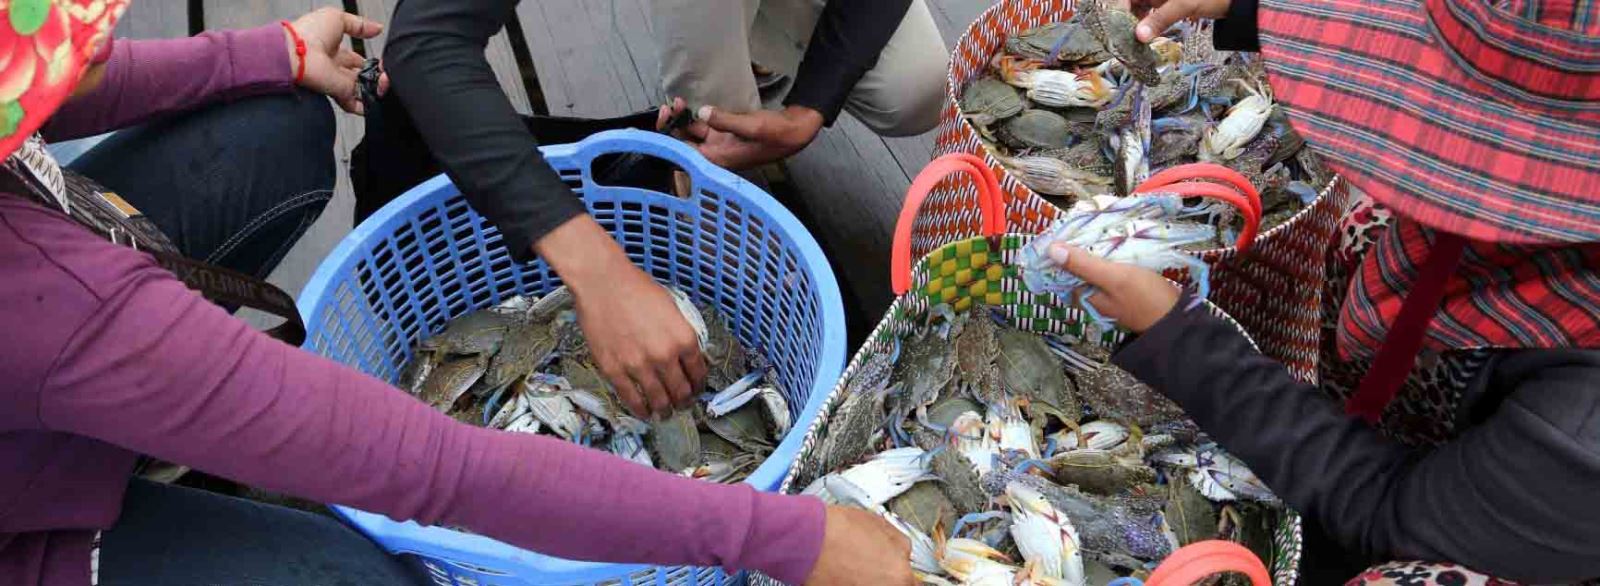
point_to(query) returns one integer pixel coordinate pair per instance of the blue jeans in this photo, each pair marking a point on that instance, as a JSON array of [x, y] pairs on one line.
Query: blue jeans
[[233, 184], [179, 536]]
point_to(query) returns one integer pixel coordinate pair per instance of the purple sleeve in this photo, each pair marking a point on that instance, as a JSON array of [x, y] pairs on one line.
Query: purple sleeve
[[145, 79], [152, 367]]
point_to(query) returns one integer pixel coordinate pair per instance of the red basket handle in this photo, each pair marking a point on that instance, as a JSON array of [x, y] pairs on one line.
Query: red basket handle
[[990, 204], [1230, 187], [1196, 561]]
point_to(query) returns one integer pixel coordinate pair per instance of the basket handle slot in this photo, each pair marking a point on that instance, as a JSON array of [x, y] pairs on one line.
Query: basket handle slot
[[583, 155], [1196, 561], [990, 204]]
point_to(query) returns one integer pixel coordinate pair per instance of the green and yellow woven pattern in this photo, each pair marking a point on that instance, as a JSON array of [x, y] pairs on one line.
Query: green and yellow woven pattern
[[983, 270]]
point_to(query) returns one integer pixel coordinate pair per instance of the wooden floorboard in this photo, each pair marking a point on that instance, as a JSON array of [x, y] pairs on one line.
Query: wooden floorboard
[[154, 19]]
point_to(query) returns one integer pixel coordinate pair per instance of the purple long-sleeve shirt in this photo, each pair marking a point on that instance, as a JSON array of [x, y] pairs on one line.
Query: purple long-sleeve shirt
[[105, 356]]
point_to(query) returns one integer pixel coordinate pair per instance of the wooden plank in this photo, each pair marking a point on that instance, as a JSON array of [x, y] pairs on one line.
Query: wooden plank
[[498, 51], [583, 68], [954, 16], [154, 19]]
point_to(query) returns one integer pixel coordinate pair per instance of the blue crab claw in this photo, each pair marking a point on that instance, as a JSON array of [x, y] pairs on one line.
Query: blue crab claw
[[974, 519], [1050, 447], [1030, 464], [1200, 275], [1088, 308], [1066, 353], [927, 455], [735, 396], [493, 404], [1305, 192]]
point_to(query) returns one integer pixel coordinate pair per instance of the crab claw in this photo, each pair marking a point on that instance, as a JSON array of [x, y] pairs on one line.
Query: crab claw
[[735, 396]]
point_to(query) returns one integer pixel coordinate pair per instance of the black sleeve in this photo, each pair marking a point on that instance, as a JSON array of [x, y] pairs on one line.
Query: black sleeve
[[1512, 497], [436, 65], [1237, 31], [845, 45]]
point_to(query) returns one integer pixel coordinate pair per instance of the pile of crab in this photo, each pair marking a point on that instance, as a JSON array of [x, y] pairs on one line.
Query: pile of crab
[[1081, 108], [523, 366], [1008, 457]]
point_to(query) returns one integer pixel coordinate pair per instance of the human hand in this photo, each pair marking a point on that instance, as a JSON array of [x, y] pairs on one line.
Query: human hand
[[859, 547], [331, 69], [1159, 15], [1133, 296], [637, 335], [742, 141]]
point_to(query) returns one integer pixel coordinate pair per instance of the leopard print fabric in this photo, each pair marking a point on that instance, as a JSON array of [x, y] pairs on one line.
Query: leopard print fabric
[[1425, 411], [1423, 574]]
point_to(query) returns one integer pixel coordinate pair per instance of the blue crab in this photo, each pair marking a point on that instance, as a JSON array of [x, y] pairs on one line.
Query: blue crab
[[1143, 230]]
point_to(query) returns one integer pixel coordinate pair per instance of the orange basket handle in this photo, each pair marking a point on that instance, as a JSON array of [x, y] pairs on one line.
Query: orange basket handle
[[1196, 561], [990, 204]]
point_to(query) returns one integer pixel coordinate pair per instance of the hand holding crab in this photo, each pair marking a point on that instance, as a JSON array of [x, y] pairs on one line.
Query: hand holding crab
[[1133, 296], [742, 141]]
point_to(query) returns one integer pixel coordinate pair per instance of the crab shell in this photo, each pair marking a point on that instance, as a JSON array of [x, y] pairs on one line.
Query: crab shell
[[1037, 129], [1064, 89], [1073, 44], [1051, 176], [987, 101], [1244, 121]]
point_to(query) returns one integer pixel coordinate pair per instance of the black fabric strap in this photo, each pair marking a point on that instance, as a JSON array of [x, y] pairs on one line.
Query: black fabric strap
[[108, 215]]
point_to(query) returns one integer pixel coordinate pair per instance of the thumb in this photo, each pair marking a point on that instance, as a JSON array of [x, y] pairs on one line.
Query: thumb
[[743, 126], [1092, 269], [1161, 18]]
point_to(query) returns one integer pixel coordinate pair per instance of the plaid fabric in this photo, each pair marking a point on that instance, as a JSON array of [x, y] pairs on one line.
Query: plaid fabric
[[1501, 296], [1468, 117]]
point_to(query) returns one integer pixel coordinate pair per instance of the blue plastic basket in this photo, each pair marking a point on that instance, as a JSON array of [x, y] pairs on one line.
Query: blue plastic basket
[[427, 258]]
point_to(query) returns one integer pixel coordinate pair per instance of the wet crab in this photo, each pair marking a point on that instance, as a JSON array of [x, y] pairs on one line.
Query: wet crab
[[1244, 121], [1114, 29], [987, 101], [1066, 42], [1036, 129]]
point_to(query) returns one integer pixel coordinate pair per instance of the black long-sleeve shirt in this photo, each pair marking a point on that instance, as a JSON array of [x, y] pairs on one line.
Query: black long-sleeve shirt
[[1513, 496], [436, 65]]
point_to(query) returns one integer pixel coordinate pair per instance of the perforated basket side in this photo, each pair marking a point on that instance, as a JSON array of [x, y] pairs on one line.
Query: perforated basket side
[[427, 258]]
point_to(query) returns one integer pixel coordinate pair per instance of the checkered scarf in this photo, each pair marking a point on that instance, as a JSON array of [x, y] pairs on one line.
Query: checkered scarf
[[1500, 296]]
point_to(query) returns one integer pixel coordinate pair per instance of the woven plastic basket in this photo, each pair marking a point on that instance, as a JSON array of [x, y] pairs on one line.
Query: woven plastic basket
[[1274, 289], [962, 274], [426, 258]]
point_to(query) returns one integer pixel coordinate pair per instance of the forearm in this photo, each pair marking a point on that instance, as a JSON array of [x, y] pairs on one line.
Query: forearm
[[1510, 497], [845, 45], [185, 382], [146, 79], [437, 67]]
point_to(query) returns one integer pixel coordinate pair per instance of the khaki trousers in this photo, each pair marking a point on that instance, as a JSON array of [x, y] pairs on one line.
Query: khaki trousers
[[707, 47]]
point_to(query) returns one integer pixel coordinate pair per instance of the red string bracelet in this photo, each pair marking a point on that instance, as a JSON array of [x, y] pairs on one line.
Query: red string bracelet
[[299, 51]]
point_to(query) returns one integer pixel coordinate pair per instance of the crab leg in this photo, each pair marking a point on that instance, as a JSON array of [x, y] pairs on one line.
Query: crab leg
[[735, 396]]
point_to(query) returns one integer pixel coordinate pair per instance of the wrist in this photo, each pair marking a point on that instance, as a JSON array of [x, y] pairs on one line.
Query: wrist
[[806, 118], [583, 254], [294, 43]]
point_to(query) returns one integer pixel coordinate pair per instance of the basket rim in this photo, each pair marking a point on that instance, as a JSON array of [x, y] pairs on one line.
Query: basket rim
[[456, 548], [964, 130]]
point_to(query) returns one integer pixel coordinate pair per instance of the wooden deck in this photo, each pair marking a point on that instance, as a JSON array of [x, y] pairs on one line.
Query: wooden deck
[[597, 58]]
